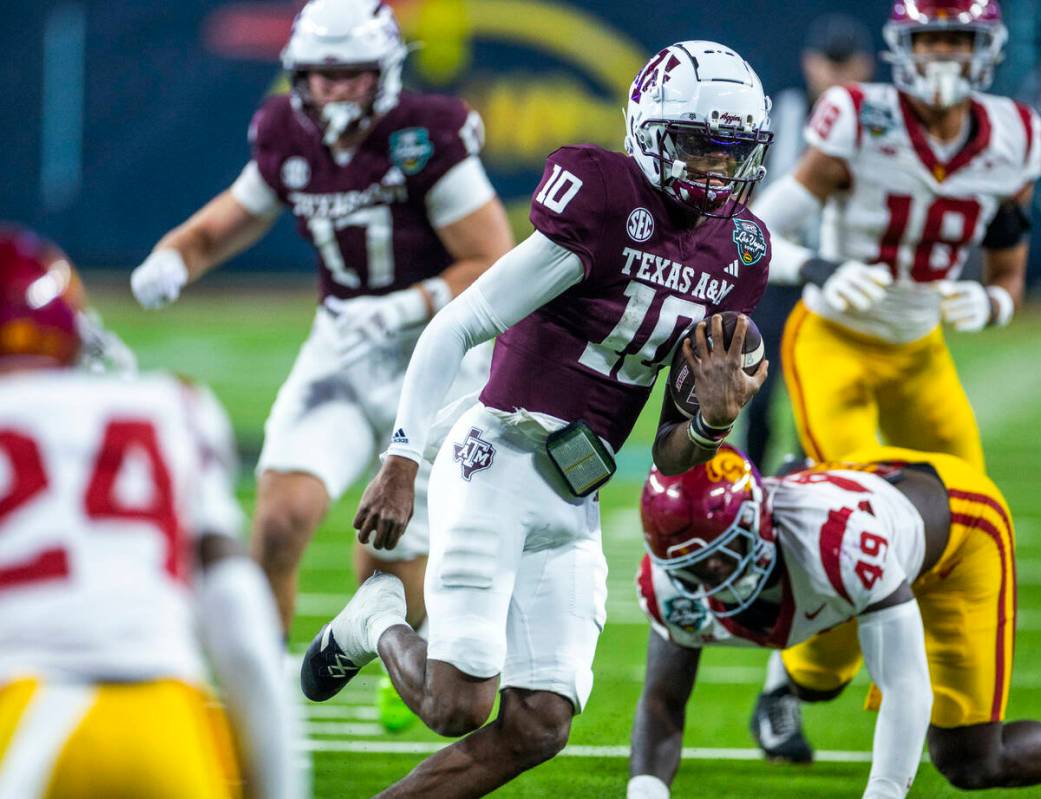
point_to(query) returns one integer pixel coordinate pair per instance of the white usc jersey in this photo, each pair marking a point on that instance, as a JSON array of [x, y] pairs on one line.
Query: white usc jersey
[[105, 485], [911, 207], [848, 540]]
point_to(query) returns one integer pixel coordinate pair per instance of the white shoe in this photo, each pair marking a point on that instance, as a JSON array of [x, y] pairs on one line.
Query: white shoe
[[347, 643]]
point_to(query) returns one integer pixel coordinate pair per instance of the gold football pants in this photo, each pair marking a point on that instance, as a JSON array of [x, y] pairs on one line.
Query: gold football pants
[[154, 740], [847, 388], [967, 601]]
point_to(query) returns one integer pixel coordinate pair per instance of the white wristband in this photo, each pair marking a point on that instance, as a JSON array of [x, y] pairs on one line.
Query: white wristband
[[1005, 306], [438, 291], [646, 786]]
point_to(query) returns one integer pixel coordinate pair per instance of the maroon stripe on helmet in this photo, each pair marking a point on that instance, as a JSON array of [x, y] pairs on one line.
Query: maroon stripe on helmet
[[832, 533], [645, 588], [1026, 117]]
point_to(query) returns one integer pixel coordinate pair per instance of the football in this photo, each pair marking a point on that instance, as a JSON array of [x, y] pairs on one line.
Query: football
[[681, 381]]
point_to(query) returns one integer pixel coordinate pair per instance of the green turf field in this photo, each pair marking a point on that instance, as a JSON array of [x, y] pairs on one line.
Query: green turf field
[[243, 342]]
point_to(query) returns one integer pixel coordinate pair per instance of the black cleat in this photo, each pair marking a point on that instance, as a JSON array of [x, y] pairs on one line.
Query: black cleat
[[325, 669], [777, 727]]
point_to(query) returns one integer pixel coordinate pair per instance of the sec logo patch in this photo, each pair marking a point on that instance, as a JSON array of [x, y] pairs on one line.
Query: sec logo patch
[[640, 225], [296, 172]]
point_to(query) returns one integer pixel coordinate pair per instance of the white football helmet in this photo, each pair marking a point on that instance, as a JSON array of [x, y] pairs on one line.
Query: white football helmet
[[352, 35], [697, 124]]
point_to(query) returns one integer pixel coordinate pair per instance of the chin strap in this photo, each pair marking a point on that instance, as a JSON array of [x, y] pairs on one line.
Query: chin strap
[[339, 117], [943, 84]]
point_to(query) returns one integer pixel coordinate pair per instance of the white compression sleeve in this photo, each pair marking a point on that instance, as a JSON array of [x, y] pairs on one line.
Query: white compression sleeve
[[241, 634], [523, 280], [893, 643], [785, 206]]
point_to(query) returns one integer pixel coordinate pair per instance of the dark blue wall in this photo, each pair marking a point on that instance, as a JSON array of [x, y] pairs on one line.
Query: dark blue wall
[[168, 96]]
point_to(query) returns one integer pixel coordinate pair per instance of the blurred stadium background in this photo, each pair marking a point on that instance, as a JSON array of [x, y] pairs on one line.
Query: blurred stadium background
[[122, 117]]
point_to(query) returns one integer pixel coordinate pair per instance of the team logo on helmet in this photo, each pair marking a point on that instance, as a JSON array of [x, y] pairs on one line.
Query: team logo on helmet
[[474, 454], [296, 172], [411, 149], [750, 241], [640, 224], [727, 466], [654, 72]]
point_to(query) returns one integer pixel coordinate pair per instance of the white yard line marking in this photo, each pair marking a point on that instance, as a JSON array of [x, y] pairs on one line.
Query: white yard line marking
[[689, 753], [343, 728], [341, 712], [320, 605]]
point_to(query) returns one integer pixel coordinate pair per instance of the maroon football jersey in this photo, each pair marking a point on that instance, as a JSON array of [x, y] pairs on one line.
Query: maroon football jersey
[[594, 352], [367, 219]]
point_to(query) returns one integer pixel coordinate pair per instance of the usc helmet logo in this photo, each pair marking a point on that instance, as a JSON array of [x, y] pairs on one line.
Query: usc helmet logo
[[727, 466]]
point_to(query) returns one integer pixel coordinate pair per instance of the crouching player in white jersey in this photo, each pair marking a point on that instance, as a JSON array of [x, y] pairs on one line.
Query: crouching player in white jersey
[[917, 547], [117, 538], [911, 176]]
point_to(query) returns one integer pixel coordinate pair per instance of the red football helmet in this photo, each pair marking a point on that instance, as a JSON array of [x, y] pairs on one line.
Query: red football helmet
[[715, 509], [947, 80], [39, 293]]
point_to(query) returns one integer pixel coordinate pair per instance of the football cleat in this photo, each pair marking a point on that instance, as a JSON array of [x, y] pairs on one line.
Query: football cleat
[[777, 727], [347, 643]]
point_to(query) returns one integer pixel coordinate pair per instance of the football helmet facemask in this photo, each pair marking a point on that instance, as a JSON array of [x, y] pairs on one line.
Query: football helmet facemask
[[353, 36], [697, 124], [715, 511], [944, 80]]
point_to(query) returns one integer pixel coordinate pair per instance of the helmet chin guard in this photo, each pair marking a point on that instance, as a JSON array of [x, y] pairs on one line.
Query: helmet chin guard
[[942, 82], [697, 125], [355, 35]]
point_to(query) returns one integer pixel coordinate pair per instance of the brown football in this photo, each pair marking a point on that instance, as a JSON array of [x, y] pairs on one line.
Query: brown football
[[681, 381]]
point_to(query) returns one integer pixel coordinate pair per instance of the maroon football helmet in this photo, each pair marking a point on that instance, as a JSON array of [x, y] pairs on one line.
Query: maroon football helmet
[[715, 509], [947, 80], [38, 289]]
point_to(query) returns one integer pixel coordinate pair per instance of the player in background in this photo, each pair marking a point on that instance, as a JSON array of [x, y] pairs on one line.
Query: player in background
[[388, 187], [910, 175], [629, 252], [917, 547], [101, 350], [117, 537], [837, 50]]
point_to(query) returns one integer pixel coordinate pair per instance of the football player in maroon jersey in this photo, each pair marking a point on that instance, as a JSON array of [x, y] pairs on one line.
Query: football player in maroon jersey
[[388, 187], [630, 251]]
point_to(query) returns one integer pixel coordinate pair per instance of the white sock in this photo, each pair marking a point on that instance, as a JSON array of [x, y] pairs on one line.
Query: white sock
[[379, 624], [776, 676]]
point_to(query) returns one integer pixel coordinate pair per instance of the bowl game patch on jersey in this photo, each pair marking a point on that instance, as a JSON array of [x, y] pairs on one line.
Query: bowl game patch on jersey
[[750, 241]]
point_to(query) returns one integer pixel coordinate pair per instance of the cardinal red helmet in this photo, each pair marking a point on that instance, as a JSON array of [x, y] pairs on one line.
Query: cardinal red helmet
[[715, 509], [944, 85], [38, 292]]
